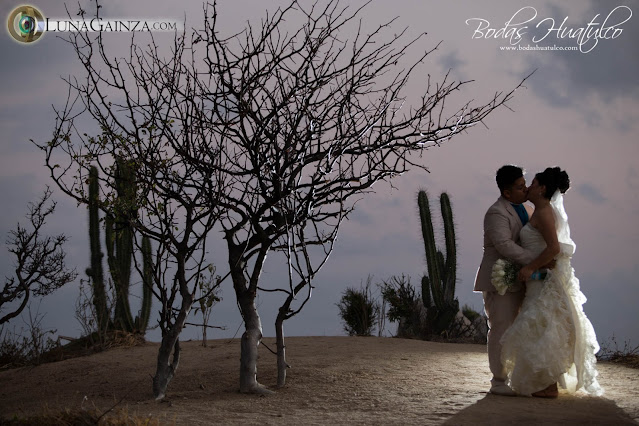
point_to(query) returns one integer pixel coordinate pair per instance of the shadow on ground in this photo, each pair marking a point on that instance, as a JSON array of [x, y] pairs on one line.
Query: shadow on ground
[[567, 409]]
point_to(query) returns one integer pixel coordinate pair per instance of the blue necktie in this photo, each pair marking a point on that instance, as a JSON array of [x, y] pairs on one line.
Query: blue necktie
[[521, 212]]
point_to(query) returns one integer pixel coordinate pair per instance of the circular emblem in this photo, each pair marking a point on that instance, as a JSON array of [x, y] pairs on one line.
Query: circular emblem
[[26, 24]]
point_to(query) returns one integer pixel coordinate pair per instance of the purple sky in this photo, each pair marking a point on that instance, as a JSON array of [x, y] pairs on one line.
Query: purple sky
[[579, 111]]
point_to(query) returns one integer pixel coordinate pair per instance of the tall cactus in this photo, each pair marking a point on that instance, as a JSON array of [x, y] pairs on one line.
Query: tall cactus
[[119, 244], [119, 239], [438, 288], [95, 270]]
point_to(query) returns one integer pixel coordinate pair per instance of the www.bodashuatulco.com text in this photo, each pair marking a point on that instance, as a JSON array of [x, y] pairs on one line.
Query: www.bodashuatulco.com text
[[537, 48]]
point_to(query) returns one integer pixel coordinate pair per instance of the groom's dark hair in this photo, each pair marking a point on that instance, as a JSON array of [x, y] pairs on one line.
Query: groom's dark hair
[[507, 175]]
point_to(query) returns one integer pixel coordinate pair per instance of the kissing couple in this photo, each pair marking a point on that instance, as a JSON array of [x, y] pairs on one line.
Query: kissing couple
[[539, 336]]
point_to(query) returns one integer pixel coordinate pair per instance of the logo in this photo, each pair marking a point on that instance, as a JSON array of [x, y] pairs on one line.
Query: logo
[[527, 24], [26, 24]]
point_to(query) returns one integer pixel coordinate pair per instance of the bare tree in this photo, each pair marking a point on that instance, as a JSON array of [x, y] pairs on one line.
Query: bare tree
[[146, 110], [40, 266], [307, 120], [271, 133]]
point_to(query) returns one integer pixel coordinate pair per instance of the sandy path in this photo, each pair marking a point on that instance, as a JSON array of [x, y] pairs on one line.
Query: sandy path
[[333, 380]]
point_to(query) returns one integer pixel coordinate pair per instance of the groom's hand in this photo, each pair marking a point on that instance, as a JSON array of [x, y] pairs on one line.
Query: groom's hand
[[550, 265]]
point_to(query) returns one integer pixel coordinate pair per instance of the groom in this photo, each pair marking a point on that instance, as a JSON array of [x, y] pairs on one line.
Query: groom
[[502, 223]]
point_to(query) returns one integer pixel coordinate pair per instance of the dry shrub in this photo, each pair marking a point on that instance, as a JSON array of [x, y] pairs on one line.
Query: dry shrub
[[19, 351], [628, 355]]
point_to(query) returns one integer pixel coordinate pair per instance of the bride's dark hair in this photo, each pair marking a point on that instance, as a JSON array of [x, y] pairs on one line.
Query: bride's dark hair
[[553, 178]]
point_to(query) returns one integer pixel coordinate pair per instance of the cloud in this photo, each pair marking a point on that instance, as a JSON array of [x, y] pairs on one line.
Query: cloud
[[608, 72], [632, 178], [591, 193], [451, 61]]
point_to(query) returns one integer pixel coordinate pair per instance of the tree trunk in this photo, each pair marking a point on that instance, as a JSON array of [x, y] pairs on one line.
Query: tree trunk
[[250, 341], [170, 340], [281, 351], [204, 334], [246, 295], [165, 370]]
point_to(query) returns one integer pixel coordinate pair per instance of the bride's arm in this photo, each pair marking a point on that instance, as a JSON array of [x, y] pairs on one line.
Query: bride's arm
[[546, 226]]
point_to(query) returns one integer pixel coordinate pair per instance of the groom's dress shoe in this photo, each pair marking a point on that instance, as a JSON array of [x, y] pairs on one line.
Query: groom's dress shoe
[[502, 389]]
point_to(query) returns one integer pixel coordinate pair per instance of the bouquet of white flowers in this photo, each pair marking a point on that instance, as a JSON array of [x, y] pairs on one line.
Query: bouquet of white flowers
[[504, 276]]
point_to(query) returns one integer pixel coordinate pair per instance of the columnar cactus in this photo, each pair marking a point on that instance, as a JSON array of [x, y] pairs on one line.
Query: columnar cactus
[[438, 287], [95, 270], [119, 239], [119, 242]]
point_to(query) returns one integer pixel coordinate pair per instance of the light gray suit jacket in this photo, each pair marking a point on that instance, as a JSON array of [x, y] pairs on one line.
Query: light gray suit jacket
[[501, 238]]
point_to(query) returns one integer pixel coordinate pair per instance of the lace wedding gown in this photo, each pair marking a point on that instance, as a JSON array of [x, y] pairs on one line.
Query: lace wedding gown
[[551, 339]]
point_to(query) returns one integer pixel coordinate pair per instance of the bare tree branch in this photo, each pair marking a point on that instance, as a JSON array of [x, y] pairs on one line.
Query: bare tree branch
[[40, 266]]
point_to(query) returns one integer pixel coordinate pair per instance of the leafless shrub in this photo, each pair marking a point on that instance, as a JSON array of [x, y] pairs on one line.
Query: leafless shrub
[[27, 346]]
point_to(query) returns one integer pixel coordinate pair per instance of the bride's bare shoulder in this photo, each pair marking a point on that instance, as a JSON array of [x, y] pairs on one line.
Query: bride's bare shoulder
[[543, 217]]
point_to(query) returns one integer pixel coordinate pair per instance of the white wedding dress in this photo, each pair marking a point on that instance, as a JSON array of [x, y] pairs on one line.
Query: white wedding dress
[[551, 340]]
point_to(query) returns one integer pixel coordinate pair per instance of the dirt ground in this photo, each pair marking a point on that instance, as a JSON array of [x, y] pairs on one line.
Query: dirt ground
[[333, 380]]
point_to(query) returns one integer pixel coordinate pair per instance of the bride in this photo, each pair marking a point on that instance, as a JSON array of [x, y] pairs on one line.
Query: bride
[[551, 339]]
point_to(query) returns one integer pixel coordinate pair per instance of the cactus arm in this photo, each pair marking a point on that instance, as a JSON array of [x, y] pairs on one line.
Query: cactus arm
[[95, 272], [429, 241], [124, 251], [451, 248], [426, 292], [439, 289], [119, 242], [123, 209]]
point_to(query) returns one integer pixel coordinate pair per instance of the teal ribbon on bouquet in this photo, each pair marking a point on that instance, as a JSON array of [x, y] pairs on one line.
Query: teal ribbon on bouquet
[[539, 274]]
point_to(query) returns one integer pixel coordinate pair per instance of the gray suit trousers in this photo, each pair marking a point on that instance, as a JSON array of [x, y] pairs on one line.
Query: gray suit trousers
[[501, 312]]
